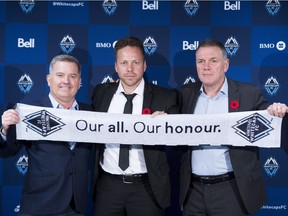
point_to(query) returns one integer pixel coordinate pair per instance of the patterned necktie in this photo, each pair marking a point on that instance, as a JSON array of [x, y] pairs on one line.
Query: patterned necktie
[[124, 149]]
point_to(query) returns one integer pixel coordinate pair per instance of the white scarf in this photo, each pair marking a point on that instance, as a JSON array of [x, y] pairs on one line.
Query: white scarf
[[253, 128]]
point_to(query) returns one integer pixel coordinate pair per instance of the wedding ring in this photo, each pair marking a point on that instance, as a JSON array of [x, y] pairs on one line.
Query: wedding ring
[[278, 107]]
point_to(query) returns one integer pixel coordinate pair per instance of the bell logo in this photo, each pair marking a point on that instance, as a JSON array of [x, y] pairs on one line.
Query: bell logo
[[188, 46], [230, 6], [26, 44], [149, 6]]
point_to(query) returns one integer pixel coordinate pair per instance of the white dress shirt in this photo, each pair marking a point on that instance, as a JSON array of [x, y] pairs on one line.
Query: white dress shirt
[[111, 153]]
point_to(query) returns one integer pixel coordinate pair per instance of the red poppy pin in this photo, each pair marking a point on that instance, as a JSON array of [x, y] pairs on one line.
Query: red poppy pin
[[146, 111], [234, 104]]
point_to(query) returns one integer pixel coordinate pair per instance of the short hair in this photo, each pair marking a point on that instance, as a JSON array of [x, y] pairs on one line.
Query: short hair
[[129, 41], [213, 43], [64, 58]]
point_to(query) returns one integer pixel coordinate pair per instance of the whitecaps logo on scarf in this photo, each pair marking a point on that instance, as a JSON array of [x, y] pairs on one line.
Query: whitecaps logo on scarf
[[43, 122], [253, 127]]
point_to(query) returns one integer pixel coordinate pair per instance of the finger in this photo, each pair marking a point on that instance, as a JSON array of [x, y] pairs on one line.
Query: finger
[[10, 117], [280, 109], [156, 113]]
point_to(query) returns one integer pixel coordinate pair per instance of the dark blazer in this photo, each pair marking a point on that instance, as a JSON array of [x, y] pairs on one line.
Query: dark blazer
[[156, 99], [55, 173], [284, 133], [245, 163]]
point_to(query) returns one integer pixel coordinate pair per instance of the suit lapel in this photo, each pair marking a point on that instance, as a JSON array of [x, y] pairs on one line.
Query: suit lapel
[[147, 100], [147, 97], [46, 102], [105, 101], [107, 95], [233, 95], [193, 94]]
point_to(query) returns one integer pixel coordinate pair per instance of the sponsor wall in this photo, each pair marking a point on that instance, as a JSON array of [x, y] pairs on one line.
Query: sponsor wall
[[255, 35]]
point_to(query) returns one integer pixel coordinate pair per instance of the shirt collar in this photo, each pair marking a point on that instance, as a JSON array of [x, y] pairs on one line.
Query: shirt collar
[[223, 90], [55, 104], [139, 90]]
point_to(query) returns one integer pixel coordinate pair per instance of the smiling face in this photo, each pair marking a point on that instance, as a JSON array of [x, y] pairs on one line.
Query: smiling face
[[130, 66], [64, 82], [211, 66]]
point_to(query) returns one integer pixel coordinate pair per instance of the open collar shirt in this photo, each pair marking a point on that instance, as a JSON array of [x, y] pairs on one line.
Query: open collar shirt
[[211, 160]]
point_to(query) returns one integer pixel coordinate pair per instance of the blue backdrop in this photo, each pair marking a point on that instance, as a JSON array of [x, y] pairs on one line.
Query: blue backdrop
[[255, 34]]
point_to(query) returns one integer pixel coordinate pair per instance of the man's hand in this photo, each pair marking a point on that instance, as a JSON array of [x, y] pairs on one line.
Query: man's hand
[[9, 117], [156, 113], [278, 109]]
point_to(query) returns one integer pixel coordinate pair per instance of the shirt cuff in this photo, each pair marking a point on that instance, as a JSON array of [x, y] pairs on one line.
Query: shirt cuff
[[2, 135]]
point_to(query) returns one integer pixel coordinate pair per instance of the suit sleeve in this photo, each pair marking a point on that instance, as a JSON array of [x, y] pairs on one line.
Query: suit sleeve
[[11, 146], [173, 105], [94, 97], [260, 102], [284, 133]]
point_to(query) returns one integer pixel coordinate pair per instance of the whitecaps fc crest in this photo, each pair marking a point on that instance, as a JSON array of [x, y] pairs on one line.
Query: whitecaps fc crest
[[22, 164], [109, 6], [25, 83], [107, 79], [189, 80], [150, 45], [27, 5], [253, 127], [67, 44], [272, 85], [43, 122], [191, 7], [271, 166], [231, 46], [273, 7]]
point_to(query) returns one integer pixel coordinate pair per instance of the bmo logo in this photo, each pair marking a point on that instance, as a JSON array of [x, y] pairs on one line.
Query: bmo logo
[[280, 45], [103, 45], [266, 45], [231, 6], [26, 44]]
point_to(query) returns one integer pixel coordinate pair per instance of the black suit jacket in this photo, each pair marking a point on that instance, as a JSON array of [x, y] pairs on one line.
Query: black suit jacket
[[245, 163], [156, 99], [55, 173]]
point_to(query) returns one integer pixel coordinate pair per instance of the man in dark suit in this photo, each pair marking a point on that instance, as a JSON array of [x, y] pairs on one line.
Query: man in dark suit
[[57, 179], [143, 187], [221, 181]]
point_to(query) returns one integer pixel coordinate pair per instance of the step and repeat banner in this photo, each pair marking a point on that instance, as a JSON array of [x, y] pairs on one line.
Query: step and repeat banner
[[255, 34]]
